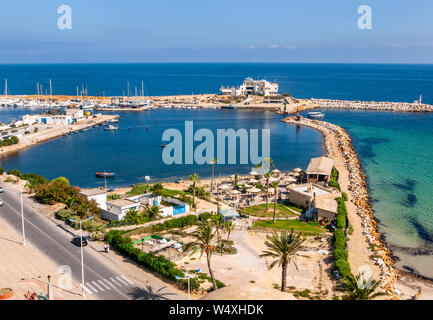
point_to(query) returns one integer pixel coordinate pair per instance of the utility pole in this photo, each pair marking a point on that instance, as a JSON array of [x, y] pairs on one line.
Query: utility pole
[[81, 246], [22, 216]]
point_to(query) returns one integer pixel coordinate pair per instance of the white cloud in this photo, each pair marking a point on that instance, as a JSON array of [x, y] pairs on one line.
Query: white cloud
[[292, 47], [274, 46]]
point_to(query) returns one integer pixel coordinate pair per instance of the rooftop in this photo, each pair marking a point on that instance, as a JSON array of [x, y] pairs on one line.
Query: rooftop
[[327, 204], [320, 165], [310, 189], [122, 202], [92, 192]]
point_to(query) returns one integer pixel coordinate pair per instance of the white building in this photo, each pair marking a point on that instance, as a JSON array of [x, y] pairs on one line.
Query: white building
[[30, 119], [117, 209], [251, 86], [75, 114], [100, 196]]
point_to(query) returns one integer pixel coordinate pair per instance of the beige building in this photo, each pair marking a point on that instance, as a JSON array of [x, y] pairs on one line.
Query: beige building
[[319, 170]]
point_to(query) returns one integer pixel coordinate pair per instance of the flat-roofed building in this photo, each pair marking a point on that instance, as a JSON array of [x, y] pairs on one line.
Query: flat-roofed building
[[319, 170], [100, 196], [117, 209]]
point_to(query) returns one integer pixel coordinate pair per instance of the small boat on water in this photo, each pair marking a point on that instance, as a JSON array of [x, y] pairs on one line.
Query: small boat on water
[[105, 174], [228, 107], [111, 128], [163, 145], [316, 114]]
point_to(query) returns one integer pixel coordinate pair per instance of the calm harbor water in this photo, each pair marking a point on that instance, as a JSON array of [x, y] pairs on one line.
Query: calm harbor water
[[395, 148], [134, 151]]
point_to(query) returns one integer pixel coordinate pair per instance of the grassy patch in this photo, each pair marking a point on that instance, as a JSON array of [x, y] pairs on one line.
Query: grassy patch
[[296, 225], [260, 210]]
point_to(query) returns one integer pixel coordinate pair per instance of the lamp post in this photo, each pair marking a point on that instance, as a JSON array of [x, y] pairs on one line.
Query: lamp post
[[22, 216], [50, 289], [188, 276], [81, 246]]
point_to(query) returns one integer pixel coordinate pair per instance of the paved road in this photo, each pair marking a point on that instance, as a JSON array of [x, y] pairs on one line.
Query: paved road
[[100, 279]]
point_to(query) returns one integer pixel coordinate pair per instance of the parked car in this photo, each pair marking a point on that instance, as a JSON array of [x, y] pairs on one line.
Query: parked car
[[77, 241], [1, 202], [1, 189], [15, 130], [27, 132], [178, 181], [4, 133]]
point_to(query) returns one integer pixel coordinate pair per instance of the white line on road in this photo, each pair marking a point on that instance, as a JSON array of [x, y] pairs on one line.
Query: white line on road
[[97, 286], [101, 282], [117, 283], [121, 280], [111, 285], [127, 279], [88, 285]]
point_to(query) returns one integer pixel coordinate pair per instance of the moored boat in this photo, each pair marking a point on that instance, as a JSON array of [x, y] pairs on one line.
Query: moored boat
[[105, 174]]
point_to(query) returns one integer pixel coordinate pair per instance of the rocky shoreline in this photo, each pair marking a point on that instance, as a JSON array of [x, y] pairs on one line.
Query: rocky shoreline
[[372, 105], [381, 255]]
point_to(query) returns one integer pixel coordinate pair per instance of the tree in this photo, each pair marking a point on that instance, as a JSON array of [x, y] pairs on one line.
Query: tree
[[267, 175], [360, 288], [283, 247], [152, 212], [194, 178], [213, 162], [62, 180], [205, 238], [218, 222], [229, 227], [275, 186], [132, 216]]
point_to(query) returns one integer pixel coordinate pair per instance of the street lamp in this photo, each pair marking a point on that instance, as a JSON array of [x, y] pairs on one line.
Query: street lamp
[[50, 289], [22, 215], [188, 276], [81, 246]]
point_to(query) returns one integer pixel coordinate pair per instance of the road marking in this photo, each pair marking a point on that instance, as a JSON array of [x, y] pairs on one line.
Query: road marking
[[121, 280], [117, 283], [91, 287], [111, 285], [101, 282], [97, 286], [127, 279]]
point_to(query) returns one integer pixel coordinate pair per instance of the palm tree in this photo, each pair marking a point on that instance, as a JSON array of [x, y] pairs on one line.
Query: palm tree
[[152, 212], [205, 241], [194, 178], [267, 175], [283, 247], [359, 288], [213, 162], [218, 222], [229, 226], [275, 186]]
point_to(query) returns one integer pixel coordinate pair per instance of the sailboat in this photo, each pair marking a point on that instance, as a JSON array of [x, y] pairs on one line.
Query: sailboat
[[111, 128]]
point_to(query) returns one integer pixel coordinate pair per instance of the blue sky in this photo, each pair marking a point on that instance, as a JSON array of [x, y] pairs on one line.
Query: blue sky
[[216, 31]]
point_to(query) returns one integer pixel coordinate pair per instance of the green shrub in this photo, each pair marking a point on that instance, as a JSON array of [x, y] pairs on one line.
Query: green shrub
[[344, 196], [181, 222], [64, 214], [2, 170], [62, 180], [14, 172], [339, 239], [343, 268], [340, 254]]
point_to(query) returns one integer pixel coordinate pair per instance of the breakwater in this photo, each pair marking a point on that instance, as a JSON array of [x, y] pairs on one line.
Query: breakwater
[[371, 105], [338, 145]]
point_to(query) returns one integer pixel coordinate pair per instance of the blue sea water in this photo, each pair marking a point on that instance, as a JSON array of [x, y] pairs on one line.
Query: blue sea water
[[380, 82], [395, 148]]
